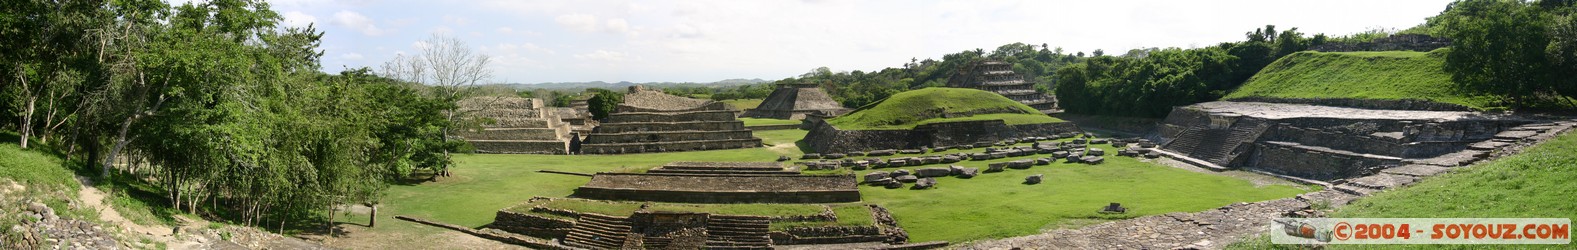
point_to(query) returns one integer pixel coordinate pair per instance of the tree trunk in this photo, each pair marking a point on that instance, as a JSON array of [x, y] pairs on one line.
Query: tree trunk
[[27, 119], [120, 143], [372, 221]]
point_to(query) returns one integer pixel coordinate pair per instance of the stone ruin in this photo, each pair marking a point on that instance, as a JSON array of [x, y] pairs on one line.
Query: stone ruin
[[825, 138], [577, 115], [1337, 146], [515, 126], [795, 101], [998, 77], [1413, 42], [700, 182], [652, 121], [694, 182]]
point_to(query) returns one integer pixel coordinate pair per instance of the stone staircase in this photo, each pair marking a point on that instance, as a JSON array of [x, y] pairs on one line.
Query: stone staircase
[[737, 232], [1217, 146], [598, 232]]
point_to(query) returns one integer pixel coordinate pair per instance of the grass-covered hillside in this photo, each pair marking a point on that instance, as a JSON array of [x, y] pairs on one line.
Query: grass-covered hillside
[[930, 105], [1389, 75]]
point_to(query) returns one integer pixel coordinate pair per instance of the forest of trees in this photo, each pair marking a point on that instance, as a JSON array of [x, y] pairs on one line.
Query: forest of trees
[[216, 106]]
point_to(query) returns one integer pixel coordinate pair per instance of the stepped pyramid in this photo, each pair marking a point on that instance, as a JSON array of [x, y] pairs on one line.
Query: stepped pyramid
[[519, 126], [794, 101], [651, 121], [998, 77]]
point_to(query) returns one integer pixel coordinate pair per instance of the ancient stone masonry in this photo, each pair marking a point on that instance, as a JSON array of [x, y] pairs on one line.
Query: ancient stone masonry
[[577, 115], [516, 126], [824, 137], [795, 101], [998, 77], [699, 182], [1413, 42], [651, 121], [694, 188], [1325, 143]]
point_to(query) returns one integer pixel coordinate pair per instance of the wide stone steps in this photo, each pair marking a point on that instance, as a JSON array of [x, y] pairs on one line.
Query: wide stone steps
[[738, 232], [599, 232]]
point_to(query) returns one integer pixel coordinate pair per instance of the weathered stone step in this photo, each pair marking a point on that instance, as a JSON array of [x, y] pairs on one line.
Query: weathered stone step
[[719, 172], [1355, 189], [1382, 181]]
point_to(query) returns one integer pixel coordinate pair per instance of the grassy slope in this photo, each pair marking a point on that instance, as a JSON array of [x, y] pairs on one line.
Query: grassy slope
[[930, 105], [1389, 75], [1534, 184], [992, 205], [743, 104], [43, 178], [766, 121]]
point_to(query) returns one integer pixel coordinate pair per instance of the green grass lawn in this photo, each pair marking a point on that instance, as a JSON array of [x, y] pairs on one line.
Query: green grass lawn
[[1388, 75], [767, 121], [743, 104], [931, 105], [989, 206]]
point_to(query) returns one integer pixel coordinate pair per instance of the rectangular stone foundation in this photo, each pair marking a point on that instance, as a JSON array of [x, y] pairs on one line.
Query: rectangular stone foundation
[[721, 189]]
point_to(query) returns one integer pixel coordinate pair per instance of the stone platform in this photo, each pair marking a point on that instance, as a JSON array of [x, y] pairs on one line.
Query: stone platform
[[1331, 143], [651, 121]]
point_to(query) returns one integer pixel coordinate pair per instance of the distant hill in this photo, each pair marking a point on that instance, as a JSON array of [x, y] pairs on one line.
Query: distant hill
[[1387, 75], [625, 84], [908, 109]]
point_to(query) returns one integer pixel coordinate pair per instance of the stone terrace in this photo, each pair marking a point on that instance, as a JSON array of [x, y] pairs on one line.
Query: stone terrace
[[651, 121], [699, 188], [1326, 143], [520, 125]]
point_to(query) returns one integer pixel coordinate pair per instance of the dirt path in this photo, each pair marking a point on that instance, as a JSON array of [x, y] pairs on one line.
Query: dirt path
[[93, 198]]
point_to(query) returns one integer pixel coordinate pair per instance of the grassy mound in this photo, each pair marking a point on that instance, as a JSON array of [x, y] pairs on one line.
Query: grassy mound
[[931, 105], [1389, 75]]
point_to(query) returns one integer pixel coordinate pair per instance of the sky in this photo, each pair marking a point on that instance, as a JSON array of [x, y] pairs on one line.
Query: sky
[[705, 41]]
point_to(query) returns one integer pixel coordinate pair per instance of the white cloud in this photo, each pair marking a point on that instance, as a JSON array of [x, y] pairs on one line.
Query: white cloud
[[618, 25], [603, 55], [351, 56], [358, 22], [578, 22], [461, 21], [298, 19], [505, 30]]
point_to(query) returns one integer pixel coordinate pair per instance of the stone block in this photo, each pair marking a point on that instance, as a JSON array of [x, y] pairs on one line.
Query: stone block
[[1033, 179], [933, 172]]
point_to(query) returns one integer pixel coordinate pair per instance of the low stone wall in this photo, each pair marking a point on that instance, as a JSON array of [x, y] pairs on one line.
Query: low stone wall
[[827, 235], [515, 134], [670, 126], [654, 147], [721, 189], [531, 225], [825, 138], [520, 147], [688, 116], [717, 196], [666, 136], [1406, 104], [773, 127], [1317, 163]]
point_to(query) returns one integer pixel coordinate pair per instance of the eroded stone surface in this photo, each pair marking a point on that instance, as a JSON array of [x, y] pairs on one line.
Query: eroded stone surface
[[1419, 170]]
